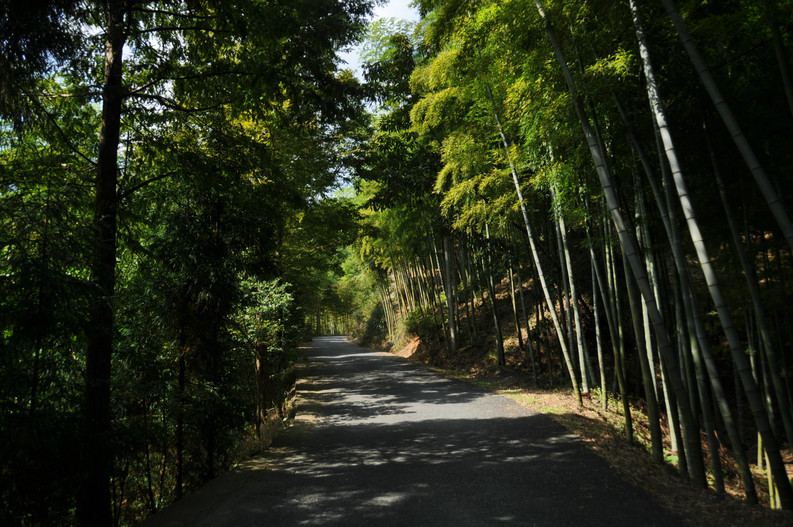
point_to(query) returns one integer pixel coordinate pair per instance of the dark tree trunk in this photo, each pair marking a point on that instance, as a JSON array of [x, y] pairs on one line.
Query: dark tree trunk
[[94, 507], [180, 422]]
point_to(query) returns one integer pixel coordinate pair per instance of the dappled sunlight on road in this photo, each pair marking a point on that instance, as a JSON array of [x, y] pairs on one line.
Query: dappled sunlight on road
[[378, 394], [380, 441]]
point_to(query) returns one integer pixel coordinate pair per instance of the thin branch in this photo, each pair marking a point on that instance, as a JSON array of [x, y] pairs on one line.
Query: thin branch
[[173, 14], [175, 106], [58, 128], [163, 29], [142, 87], [55, 96], [142, 184]]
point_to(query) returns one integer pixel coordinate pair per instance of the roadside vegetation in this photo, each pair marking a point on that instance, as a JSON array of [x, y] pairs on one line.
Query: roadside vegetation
[[592, 196], [587, 198]]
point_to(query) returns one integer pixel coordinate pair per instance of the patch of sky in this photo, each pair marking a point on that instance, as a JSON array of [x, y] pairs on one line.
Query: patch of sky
[[397, 9]]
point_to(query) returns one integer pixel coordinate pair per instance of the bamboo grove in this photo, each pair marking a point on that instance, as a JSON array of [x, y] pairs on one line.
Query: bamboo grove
[[600, 193], [162, 172]]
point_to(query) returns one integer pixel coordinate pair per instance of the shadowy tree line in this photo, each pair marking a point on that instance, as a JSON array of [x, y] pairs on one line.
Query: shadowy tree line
[[157, 160]]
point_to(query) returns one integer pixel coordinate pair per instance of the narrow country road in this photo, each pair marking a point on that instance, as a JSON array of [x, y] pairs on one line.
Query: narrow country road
[[382, 442]]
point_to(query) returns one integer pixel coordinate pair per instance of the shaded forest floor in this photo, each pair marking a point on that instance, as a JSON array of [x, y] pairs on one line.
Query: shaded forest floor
[[604, 433]]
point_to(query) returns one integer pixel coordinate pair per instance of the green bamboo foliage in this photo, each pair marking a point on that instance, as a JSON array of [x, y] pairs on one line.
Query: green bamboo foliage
[[693, 449], [506, 124], [512, 193], [503, 121]]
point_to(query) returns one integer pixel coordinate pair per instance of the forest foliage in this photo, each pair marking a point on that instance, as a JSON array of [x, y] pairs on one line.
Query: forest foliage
[[166, 180], [597, 193]]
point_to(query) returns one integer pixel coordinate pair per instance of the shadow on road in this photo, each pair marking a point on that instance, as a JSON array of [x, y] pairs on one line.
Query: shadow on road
[[380, 442]]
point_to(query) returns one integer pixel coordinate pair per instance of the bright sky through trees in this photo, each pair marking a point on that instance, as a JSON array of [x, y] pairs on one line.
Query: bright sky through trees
[[399, 9]]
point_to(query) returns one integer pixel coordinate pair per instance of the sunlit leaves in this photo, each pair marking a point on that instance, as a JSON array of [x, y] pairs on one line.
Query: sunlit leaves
[[264, 311], [230, 115], [619, 64], [379, 44], [463, 156], [435, 109]]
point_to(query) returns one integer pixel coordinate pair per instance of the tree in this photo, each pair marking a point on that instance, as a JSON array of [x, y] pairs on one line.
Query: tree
[[161, 64]]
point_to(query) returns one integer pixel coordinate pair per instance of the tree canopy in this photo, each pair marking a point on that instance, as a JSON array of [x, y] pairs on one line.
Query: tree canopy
[[593, 193]]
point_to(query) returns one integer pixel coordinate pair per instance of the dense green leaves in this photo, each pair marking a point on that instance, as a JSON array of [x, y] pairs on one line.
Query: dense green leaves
[[516, 102], [220, 218], [227, 117]]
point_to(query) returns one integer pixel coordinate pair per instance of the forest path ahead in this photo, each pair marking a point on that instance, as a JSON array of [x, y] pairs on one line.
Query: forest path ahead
[[378, 441]]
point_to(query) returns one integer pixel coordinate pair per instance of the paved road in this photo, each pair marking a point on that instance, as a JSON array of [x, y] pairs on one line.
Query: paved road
[[381, 442]]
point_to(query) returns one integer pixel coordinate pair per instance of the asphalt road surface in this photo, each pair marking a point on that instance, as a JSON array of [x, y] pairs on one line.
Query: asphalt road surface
[[381, 442]]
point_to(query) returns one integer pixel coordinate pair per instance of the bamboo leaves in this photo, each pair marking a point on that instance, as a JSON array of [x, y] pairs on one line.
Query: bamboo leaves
[[518, 134]]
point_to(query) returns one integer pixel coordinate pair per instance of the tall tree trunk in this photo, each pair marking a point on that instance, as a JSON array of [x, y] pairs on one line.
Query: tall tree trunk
[[604, 399], [451, 296], [700, 347], [613, 319], [583, 359], [400, 307], [761, 178], [648, 376], [468, 295], [491, 288], [535, 255], [779, 51], [739, 357], [767, 347], [696, 463], [563, 293], [645, 243], [669, 396], [388, 308], [471, 264], [94, 501], [514, 302], [524, 311], [441, 275]]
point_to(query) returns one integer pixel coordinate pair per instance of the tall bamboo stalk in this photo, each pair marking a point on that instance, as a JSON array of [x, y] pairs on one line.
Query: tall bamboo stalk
[[487, 262], [598, 339], [451, 295], [750, 386], [523, 306], [750, 275], [535, 255], [648, 376], [700, 347], [696, 464], [572, 301], [758, 172]]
